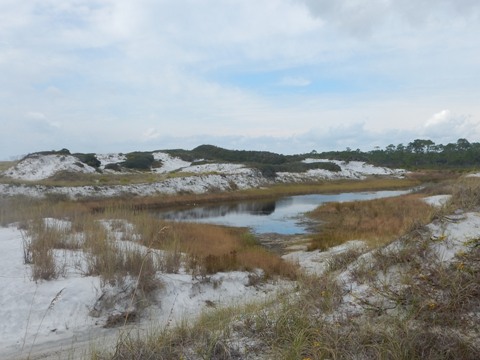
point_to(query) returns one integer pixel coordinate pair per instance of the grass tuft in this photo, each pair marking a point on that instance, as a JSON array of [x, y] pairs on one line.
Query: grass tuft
[[466, 194]]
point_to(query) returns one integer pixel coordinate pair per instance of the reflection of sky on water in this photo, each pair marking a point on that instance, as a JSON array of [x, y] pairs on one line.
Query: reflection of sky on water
[[281, 216]]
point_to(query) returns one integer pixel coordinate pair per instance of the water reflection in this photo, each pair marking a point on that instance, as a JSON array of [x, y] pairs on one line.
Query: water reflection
[[257, 208], [281, 216]]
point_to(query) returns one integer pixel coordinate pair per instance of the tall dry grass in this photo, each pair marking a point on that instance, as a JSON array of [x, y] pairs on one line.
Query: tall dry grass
[[18, 209], [21, 209], [375, 221], [466, 194], [203, 249], [209, 248], [40, 239], [113, 261]]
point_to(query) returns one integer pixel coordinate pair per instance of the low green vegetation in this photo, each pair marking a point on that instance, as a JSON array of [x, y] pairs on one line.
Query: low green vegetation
[[418, 154], [271, 170], [210, 152], [139, 161], [268, 163], [51, 152], [89, 159]]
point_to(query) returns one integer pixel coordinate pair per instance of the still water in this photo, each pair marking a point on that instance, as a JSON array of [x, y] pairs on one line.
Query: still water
[[282, 216]]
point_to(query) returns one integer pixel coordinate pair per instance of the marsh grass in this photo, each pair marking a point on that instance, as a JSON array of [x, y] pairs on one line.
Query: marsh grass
[[375, 221], [21, 209], [208, 249], [203, 249], [18, 209]]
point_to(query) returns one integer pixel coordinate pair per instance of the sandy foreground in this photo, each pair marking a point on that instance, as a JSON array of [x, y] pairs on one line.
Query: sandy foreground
[[60, 315], [55, 319]]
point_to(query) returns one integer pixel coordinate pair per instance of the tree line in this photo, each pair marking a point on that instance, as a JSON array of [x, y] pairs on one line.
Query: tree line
[[420, 153]]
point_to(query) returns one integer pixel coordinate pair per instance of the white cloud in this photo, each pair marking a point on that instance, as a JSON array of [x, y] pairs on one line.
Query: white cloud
[[296, 81], [447, 126], [151, 134], [41, 121], [230, 69], [439, 118], [357, 17], [360, 18], [35, 115]]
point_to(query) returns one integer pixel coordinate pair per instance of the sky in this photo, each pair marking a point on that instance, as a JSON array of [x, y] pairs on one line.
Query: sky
[[288, 76]]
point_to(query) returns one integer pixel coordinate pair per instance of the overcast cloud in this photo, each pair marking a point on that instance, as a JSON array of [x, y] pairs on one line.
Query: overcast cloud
[[281, 75]]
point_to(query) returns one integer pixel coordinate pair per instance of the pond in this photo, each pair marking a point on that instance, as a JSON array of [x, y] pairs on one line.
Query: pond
[[281, 216]]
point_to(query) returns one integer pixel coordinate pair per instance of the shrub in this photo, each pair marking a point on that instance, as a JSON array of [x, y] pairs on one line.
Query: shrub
[[89, 159], [113, 166], [51, 152], [139, 160]]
